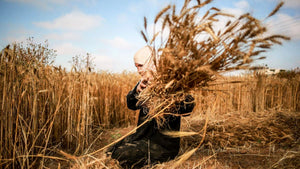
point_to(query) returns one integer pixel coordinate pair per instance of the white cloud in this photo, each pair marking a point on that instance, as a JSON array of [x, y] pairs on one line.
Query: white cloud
[[14, 39], [284, 24], [103, 62], [242, 5], [292, 3], [44, 4], [134, 8], [68, 49], [63, 36], [101, 59], [39, 1], [113, 60], [120, 43], [122, 18], [76, 21], [287, 3], [155, 28], [155, 2], [240, 8], [146, 6], [234, 11], [18, 33], [49, 4]]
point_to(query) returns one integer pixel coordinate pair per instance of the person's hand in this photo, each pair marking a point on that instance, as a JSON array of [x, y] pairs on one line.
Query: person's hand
[[142, 85]]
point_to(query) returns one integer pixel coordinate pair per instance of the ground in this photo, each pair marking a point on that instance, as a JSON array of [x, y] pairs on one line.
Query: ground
[[242, 157], [261, 140]]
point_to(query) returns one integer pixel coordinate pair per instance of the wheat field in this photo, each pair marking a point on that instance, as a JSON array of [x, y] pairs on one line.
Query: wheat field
[[56, 118], [46, 110]]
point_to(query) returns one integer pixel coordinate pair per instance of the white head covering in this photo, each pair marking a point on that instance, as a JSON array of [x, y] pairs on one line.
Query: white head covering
[[143, 55]]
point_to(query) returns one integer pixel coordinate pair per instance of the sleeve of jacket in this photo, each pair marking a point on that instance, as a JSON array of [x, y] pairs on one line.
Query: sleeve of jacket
[[131, 99], [186, 106]]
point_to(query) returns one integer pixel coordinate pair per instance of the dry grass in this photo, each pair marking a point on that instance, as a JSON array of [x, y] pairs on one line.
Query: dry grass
[[50, 116], [195, 52], [46, 109], [266, 139]]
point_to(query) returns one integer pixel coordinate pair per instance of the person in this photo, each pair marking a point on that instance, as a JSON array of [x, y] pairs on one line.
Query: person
[[148, 145]]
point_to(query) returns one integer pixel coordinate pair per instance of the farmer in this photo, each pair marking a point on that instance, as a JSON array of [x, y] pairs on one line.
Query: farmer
[[148, 145]]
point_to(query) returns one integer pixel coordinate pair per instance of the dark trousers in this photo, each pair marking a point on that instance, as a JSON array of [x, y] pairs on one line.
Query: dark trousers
[[137, 154]]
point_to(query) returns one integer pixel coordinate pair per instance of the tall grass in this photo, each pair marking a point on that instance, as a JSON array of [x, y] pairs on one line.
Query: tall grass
[[46, 108], [251, 94]]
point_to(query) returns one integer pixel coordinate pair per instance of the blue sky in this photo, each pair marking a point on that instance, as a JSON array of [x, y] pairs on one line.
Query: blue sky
[[110, 29]]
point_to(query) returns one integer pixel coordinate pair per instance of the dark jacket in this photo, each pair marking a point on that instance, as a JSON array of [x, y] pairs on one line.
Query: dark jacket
[[151, 131]]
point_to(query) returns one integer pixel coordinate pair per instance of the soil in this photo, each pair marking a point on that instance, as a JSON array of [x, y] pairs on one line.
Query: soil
[[272, 142], [242, 157]]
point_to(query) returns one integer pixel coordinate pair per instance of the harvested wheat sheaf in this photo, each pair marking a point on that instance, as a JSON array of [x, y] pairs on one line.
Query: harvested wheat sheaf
[[195, 52]]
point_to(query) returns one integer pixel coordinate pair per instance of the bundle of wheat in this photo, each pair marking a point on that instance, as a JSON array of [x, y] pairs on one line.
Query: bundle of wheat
[[195, 52]]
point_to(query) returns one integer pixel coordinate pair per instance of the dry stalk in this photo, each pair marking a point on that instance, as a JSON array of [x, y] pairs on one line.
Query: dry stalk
[[185, 62]]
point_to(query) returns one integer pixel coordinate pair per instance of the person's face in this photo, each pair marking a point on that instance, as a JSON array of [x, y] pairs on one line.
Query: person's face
[[139, 68]]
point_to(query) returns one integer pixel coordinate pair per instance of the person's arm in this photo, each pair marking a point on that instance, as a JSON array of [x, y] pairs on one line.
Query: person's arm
[[186, 107], [131, 98]]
